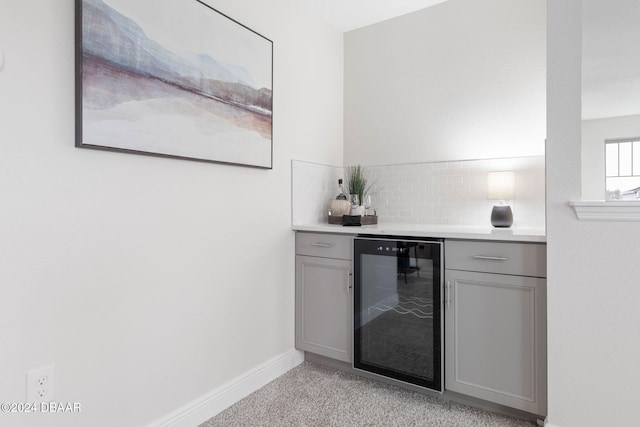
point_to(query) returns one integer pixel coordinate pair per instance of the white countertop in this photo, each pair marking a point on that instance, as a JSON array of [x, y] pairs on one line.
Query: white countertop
[[517, 234]]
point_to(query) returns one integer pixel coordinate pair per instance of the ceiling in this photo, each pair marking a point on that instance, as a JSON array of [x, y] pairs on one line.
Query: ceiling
[[347, 15], [611, 36]]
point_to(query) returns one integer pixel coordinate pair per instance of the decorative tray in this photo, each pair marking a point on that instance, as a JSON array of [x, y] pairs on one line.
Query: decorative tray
[[364, 220]]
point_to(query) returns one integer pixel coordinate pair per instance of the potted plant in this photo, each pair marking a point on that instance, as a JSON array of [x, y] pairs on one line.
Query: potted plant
[[357, 178]]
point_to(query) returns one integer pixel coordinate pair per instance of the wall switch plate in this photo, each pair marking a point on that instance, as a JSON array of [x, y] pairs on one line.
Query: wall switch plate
[[40, 384]]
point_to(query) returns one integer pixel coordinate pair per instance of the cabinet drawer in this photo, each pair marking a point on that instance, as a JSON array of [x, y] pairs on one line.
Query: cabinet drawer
[[521, 259], [324, 245]]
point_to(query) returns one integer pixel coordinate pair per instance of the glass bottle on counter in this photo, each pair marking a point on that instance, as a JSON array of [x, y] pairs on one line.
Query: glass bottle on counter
[[340, 205]]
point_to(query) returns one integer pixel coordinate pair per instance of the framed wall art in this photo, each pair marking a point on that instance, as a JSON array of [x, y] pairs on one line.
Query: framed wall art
[[173, 78]]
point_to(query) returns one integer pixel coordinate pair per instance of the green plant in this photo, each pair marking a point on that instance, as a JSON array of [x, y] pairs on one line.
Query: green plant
[[356, 178]]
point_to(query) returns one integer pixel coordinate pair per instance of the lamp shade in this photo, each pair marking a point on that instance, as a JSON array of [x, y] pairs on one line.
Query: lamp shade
[[501, 185]]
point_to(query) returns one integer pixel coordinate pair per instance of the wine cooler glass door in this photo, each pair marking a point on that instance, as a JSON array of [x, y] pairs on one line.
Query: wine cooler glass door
[[398, 310]]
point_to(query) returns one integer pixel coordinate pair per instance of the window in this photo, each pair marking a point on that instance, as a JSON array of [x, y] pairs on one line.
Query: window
[[622, 168]]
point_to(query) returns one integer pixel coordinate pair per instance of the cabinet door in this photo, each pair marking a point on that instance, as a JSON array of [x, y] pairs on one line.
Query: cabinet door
[[495, 339], [323, 306]]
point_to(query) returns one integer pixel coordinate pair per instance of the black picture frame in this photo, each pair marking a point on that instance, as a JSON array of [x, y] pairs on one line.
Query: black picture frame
[[177, 79]]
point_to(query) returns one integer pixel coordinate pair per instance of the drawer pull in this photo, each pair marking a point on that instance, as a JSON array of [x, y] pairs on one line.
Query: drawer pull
[[322, 245], [490, 258]]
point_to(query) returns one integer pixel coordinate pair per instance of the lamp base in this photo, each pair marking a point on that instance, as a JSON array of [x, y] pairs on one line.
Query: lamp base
[[502, 216]]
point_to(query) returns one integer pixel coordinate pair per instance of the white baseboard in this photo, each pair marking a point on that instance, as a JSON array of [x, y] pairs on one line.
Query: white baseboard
[[216, 401]]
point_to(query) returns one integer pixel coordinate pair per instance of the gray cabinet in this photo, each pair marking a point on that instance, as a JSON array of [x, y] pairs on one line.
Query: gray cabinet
[[323, 294], [495, 322]]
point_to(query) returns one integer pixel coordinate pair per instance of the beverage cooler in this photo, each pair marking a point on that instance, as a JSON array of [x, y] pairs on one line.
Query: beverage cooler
[[398, 312]]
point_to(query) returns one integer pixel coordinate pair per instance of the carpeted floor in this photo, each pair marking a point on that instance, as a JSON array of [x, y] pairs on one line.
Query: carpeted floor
[[314, 395]]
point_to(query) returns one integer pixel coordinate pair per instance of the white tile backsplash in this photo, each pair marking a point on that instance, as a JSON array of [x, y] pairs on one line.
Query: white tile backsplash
[[313, 187], [427, 193]]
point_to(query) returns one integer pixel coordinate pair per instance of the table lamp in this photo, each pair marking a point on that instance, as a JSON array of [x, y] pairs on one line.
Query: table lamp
[[501, 186]]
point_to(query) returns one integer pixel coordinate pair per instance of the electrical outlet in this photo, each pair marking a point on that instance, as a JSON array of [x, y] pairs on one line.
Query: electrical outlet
[[40, 384]]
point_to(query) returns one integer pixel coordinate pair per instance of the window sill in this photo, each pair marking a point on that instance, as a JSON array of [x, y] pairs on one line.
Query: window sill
[[606, 211]]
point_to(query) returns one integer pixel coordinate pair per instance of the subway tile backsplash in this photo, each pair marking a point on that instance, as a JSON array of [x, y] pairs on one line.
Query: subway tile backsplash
[[313, 187], [452, 193]]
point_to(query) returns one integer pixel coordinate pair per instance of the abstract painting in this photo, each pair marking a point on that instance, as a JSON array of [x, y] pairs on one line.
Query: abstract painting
[[172, 78]]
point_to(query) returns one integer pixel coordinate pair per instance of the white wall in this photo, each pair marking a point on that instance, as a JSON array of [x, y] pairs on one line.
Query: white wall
[[464, 79], [147, 281], [594, 133], [593, 319]]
